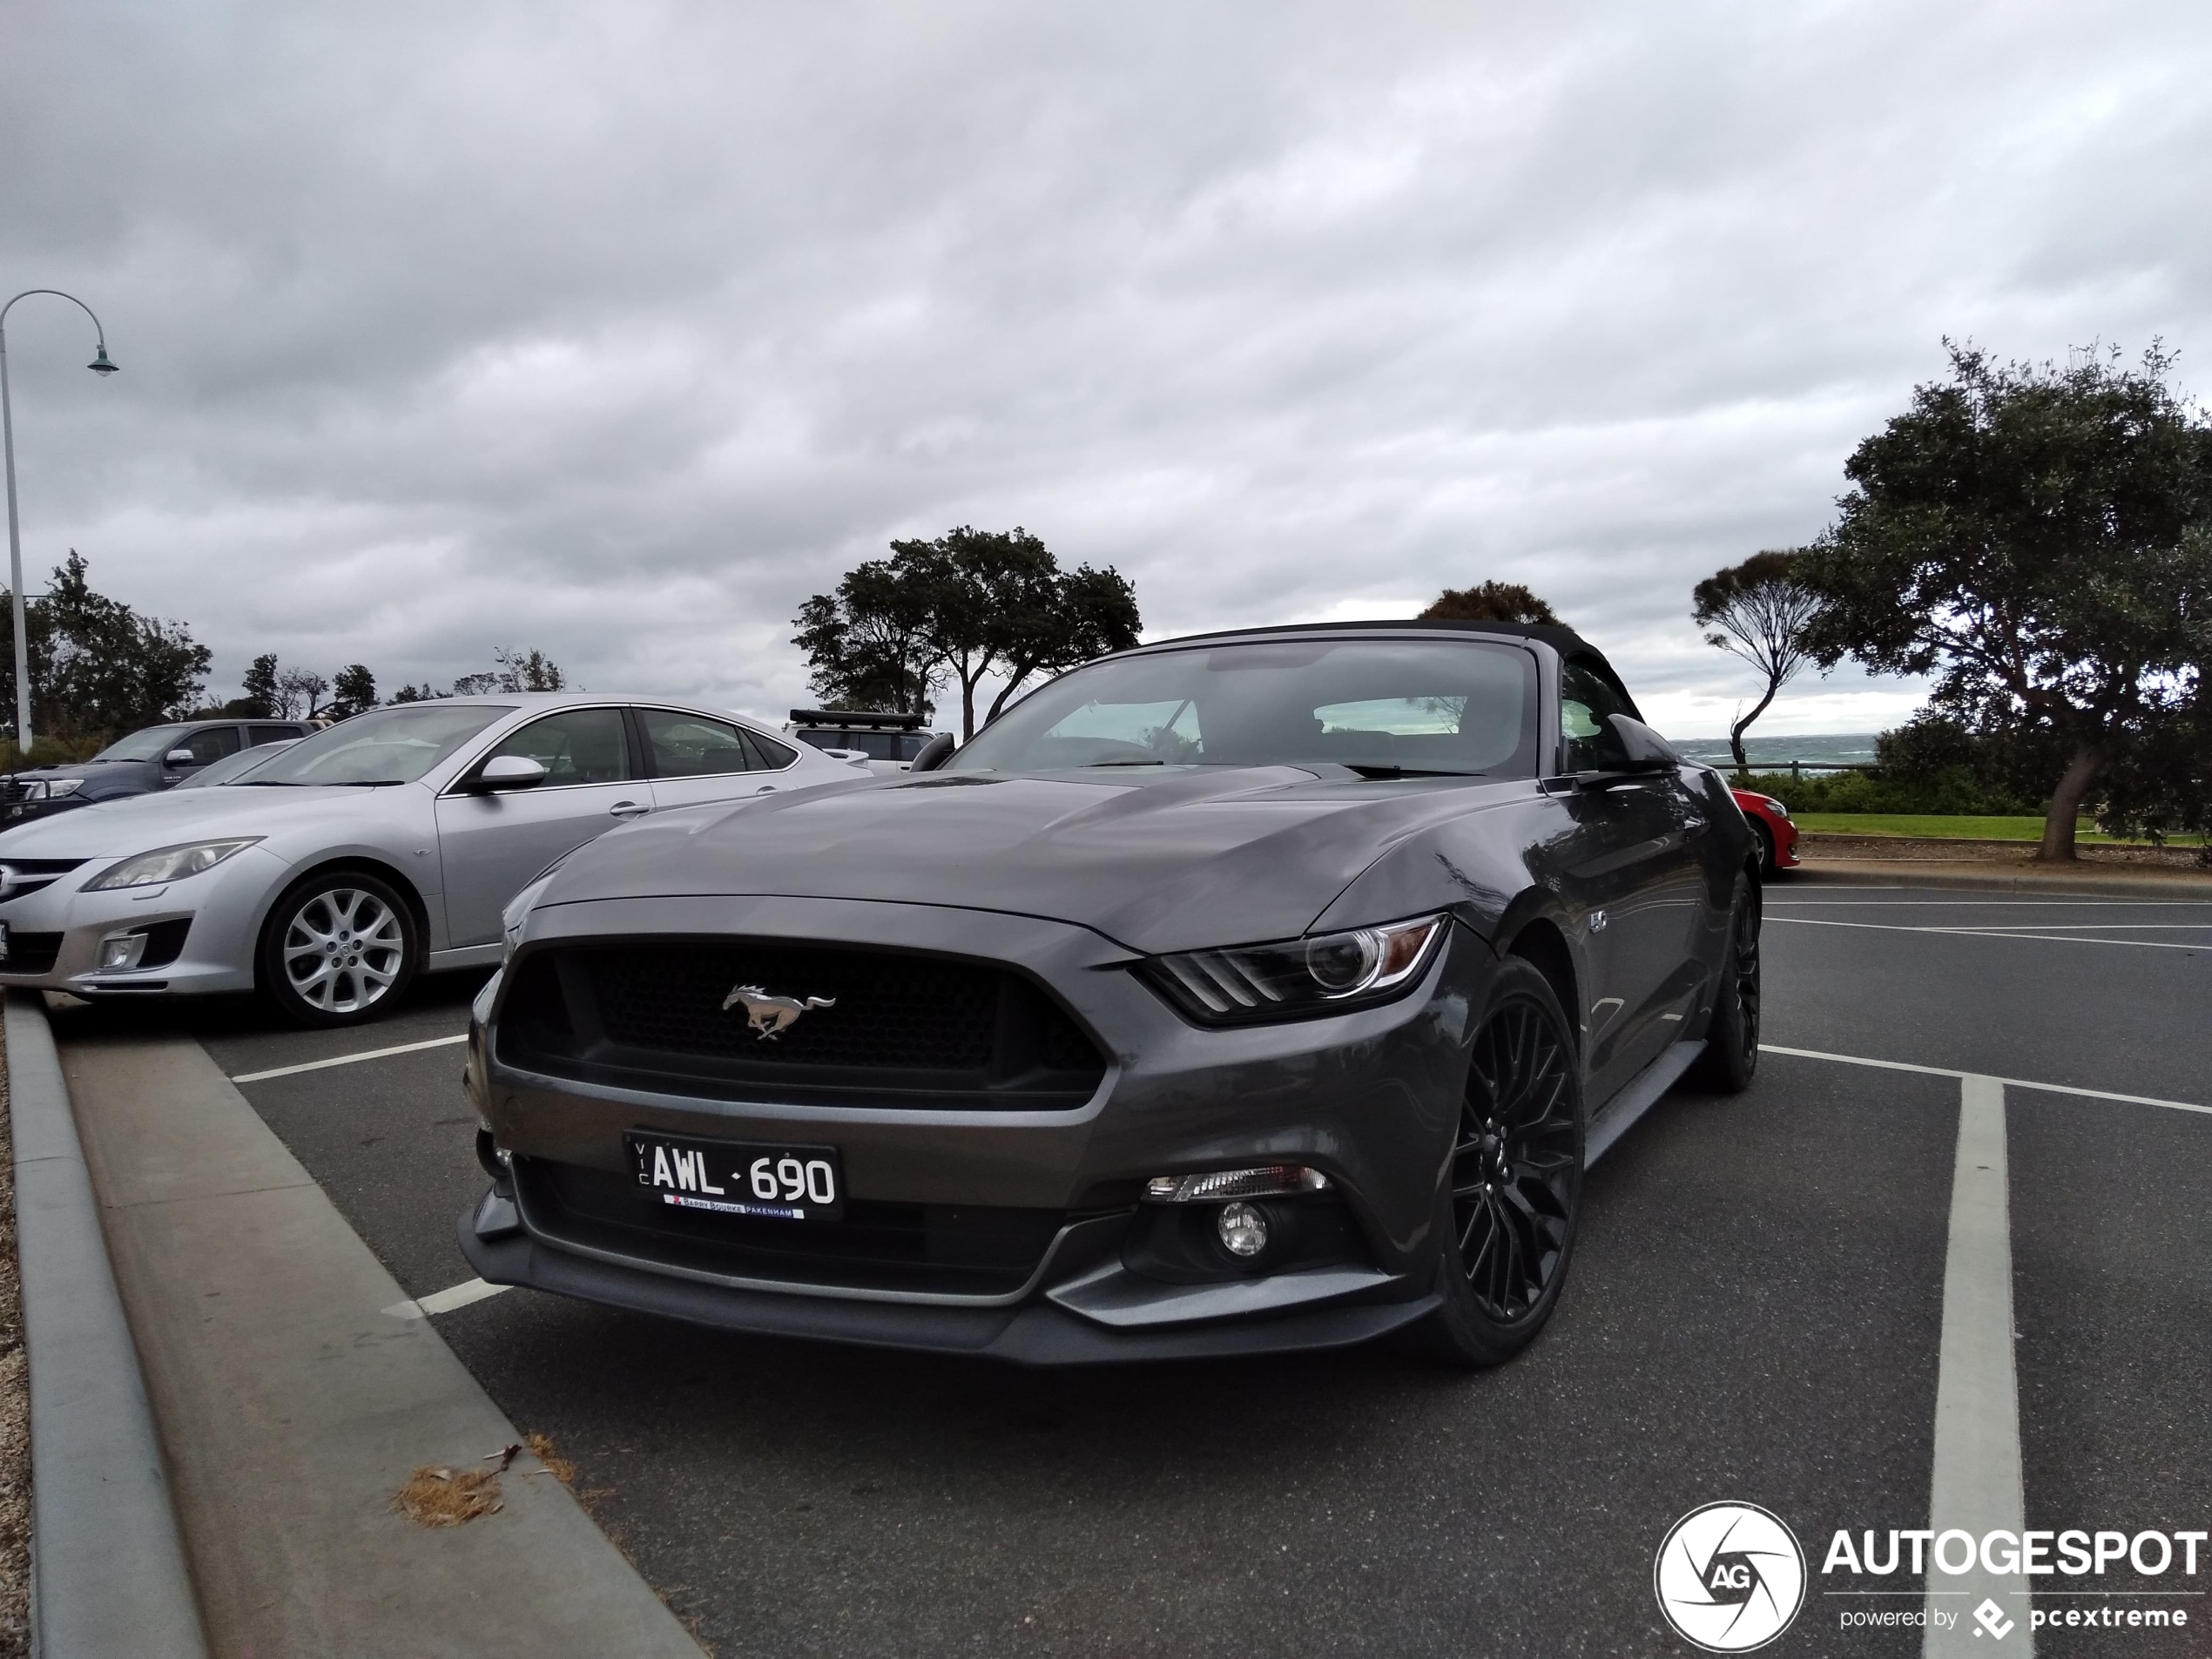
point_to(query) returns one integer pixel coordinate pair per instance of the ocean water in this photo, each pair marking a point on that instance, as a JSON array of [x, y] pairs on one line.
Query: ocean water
[[1831, 748]]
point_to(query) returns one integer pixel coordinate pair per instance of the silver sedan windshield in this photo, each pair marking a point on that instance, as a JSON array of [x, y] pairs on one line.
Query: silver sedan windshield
[[394, 746], [1381, 706]]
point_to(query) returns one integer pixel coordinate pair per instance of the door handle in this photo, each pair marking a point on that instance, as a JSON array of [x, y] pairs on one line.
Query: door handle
[[765, 789], [628, 809]]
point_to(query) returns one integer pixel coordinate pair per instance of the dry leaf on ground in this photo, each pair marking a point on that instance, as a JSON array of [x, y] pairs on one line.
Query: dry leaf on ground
[[440, 1497], [558, 1466]]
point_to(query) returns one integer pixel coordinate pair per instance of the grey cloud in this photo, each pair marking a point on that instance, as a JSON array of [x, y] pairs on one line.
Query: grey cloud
[[618, 330]]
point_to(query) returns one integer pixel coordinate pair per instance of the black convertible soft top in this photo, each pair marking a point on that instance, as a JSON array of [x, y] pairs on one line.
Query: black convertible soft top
[[1557, 636]]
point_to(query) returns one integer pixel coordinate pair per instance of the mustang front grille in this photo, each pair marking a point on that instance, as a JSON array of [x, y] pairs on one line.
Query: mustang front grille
[[805, 1024]]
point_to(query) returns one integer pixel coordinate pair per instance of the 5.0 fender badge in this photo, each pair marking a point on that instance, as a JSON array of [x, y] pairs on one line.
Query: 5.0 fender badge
[[767, 1015]]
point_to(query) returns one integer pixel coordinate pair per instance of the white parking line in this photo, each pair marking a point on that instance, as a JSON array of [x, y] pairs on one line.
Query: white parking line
[[458, 1296], [1975, 1485], [2009, 1083], [1986, 933], [347, 1059], [1773, 899]]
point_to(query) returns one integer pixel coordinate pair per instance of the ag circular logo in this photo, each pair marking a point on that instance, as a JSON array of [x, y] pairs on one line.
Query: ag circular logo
[[1730, 1577]]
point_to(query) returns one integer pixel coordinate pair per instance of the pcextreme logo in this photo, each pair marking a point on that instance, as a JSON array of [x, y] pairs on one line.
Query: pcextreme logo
[[1730, 1577]]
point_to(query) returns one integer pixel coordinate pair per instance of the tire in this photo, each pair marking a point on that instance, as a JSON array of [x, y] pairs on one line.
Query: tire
[[1510, 1205], [1767, 865], [1732, 1057], [339, 949]]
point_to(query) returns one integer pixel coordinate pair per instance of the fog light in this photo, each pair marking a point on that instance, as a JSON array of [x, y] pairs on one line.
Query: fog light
[[1243, 1229], [120, 951]]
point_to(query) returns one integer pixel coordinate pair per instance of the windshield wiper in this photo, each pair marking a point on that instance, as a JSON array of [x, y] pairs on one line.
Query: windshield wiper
[[1096, 765], [1385, 771]]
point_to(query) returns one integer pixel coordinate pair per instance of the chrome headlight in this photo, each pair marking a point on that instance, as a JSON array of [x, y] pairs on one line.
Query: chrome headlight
[[169, 864], [1775, 807], [1299, 978], [60, 787]]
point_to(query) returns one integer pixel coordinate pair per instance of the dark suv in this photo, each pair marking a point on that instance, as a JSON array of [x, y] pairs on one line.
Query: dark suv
[[884, 741], [157, 758]]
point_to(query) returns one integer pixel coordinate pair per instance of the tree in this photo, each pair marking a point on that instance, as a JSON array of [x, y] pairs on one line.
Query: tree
[[1756, 610], [261, 687], [2035, 538], [352, 690], [1490, 602], [1088, 613], [864, 646], [970, 604], [299, 693], [527, 671], [97, 668]]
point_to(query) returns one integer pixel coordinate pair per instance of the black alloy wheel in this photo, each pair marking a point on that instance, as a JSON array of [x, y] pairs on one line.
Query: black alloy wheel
[[1732, 1057], [1517, 1167], [1515, 1185]]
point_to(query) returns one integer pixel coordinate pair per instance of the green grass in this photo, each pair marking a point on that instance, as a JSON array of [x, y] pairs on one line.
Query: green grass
[[1938, 827]]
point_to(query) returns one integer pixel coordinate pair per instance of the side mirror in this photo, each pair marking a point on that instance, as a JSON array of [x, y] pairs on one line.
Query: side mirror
[[934, 753], [503, 773], [1645, 750], [180, 758]]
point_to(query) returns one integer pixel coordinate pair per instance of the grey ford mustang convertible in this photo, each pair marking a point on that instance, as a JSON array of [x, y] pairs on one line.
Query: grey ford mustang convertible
[[1252, 992]]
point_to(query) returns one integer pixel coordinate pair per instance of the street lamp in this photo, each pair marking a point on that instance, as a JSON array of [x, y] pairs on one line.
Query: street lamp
[[99, 365]]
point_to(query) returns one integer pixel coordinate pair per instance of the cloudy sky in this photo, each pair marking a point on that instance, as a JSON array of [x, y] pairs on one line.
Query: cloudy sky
[[618, 330]]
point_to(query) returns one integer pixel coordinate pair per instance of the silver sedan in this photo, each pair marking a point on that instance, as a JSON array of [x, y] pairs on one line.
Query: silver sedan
[[385, 845]]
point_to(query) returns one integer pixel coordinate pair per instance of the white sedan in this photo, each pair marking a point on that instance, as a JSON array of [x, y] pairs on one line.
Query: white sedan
[[385, 845]]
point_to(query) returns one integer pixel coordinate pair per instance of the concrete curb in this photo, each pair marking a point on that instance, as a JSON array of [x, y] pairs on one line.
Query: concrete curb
[[2088, 877], [293, 1402], [107, 1566]]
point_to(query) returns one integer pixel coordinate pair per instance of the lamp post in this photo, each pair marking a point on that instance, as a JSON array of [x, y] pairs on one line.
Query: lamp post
[[100, 365]]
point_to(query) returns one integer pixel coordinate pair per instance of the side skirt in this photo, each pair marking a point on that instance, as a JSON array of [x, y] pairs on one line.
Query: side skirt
[[467, 956], [1640, 1094]]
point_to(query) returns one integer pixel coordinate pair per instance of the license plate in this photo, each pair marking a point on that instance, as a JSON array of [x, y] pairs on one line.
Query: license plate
[[4, 941], [740, 1178]]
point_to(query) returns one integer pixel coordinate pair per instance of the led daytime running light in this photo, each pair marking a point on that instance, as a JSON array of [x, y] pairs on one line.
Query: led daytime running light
[[1270, 1181], [1301, 975]]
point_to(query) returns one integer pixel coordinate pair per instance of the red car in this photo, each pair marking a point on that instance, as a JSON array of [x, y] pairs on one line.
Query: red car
[[1777, 835]]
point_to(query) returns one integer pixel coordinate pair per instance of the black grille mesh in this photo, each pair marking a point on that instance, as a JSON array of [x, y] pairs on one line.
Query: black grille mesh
[[904, 1011], [902, 1028]]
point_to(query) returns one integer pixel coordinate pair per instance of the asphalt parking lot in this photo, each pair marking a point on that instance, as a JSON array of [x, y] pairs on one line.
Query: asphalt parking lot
[[1757, 1313]]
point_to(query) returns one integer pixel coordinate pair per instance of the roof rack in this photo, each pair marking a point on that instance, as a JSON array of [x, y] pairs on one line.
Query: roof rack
[[858, 719]]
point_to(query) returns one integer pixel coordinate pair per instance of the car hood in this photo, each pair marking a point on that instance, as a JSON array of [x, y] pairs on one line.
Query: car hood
[[1166, 861], [87, 769], [138, 823]]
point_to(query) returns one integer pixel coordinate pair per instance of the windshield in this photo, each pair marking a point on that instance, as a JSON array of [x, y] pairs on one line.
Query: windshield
[[394, 746], [231, 768], [1380, 706], [148, 745]]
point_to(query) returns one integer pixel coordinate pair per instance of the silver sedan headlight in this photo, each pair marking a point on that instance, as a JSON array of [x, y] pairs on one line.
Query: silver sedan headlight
[[168, 864]]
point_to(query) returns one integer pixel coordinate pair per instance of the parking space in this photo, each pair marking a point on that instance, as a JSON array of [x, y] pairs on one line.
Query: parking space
[[1757, 1313]]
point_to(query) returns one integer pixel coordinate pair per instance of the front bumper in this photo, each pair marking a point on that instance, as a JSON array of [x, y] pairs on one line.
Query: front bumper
[[1370, 1099], [223, 906]]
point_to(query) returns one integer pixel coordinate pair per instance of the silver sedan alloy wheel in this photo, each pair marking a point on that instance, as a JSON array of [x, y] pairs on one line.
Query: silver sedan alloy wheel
[[343, 949]]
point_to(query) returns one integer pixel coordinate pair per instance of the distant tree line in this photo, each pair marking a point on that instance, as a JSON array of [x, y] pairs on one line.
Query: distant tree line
[[99, 670]]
